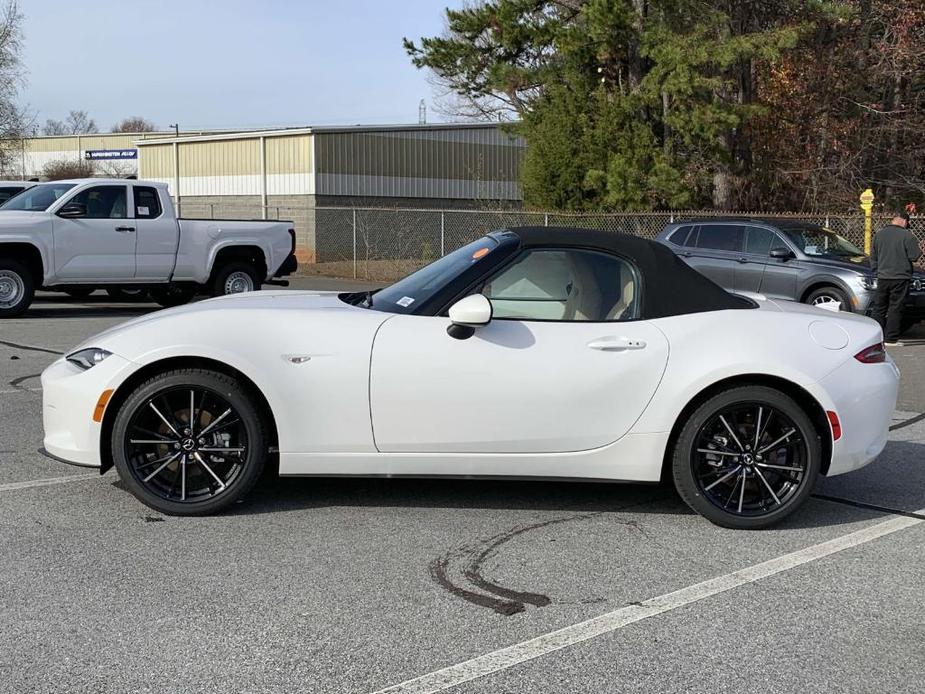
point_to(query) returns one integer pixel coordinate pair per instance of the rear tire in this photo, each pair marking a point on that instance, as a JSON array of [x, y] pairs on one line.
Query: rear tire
[[16, 288], [189, 442], [235, 278], [173, 295], [756, 477], [825, 295]]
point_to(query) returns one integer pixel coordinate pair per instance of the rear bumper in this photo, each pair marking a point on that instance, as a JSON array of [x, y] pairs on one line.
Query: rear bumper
[[864, 397], [290, 265]]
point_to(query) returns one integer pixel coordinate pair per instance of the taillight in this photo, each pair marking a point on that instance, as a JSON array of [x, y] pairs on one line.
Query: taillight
[[292, 236], [875, 354], [836, 425]]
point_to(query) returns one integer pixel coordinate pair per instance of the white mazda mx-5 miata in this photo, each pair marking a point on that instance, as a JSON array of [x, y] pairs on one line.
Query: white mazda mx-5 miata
[[533, 352]]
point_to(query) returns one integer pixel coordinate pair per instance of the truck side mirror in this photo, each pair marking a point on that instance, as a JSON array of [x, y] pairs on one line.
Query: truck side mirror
[[73, 210]]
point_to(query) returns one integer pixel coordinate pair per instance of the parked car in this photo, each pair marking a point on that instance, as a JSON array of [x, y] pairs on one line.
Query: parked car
[[528, 353], [784, 259], [124, 235], [10, 188]]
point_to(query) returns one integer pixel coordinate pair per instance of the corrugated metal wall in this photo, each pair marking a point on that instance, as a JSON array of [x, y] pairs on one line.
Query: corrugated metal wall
[[467, 163], [232, 167]]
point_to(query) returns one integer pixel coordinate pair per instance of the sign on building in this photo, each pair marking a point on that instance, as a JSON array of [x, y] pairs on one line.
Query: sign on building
[[97, 154]]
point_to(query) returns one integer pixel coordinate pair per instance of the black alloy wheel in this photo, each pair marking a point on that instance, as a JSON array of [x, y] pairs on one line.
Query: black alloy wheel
[[747, 458], [189, 442]]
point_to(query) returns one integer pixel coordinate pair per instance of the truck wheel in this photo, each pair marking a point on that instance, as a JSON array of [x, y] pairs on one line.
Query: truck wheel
[[173, 294], [16, 289], [235, 278]]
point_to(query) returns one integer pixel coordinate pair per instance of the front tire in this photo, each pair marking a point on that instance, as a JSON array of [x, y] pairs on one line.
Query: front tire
[[189, 442], [235, 278], [16, 288], [747, 458], [827, 295]]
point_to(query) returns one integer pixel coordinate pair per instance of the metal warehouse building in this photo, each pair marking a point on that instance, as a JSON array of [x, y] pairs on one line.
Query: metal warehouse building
[[117, 152], [293, 173], [290, 173]]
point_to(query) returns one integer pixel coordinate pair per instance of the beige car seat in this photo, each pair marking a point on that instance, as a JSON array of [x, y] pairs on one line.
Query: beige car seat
[[584, 299], [627, 296]]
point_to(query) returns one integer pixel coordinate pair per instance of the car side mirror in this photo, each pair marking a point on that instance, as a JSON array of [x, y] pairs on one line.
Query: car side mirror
[[467, 314], [73, 210], [781, 254]]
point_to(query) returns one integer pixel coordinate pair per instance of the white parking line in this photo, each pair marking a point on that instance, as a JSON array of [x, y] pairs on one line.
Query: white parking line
[[505, 658], [10, 486]]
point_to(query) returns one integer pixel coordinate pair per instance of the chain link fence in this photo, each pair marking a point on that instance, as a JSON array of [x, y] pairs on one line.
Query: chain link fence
[[383, 244]]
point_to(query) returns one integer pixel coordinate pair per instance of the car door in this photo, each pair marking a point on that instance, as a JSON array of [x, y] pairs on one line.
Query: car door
[[754, 259], [781, 276], [94, 236], [562, 366], [156, 237], [715, 252]]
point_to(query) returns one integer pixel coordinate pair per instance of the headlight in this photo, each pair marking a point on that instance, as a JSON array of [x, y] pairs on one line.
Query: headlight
[[88, 358], [869, 282]]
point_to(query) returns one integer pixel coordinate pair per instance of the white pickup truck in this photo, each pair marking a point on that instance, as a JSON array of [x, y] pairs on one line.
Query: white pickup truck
[[75, 236]]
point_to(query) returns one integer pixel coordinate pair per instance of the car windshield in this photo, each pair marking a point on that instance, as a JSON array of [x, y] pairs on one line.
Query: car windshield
[[37, 198], [817, 242], [419, 287]]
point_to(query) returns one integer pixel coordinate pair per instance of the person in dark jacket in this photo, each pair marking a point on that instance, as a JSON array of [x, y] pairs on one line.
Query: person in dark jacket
[[894, 250]]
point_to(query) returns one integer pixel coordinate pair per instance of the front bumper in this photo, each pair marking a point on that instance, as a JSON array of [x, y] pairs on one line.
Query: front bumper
[[864, 398], [69, 397]]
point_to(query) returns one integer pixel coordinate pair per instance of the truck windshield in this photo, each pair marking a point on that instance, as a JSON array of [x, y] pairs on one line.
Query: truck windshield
[[37, 198]]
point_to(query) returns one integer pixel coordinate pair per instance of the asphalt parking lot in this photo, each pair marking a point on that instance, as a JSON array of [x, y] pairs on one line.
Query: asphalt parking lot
[[361, 585]]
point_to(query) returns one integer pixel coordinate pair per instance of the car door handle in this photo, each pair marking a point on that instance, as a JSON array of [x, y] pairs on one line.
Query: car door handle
[[125, 229], [685, 254], [616, 344]]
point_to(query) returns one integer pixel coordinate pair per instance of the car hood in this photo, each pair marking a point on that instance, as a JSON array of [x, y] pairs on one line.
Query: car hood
[[280, 300], [16, 220], [861, 265]]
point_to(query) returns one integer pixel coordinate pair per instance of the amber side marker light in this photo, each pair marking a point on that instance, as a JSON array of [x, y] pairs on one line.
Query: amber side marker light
[[101, 405], [875, 354], [836, 425]]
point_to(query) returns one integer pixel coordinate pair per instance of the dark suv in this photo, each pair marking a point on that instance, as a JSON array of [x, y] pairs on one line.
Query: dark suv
[[784, 259]]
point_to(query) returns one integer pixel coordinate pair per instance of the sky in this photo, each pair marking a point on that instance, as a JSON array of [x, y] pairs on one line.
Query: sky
[[227, 63]]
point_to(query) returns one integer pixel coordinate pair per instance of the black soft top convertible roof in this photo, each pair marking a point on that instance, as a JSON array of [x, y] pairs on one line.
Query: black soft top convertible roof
[[669, 286]]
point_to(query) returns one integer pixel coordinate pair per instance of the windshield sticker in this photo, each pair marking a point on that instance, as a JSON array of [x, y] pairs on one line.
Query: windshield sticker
[[144, 211], [480, 253], [405, 301], [811, 250]]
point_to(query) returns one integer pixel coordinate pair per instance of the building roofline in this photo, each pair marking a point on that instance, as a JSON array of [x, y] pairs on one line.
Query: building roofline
[[316, 129]]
